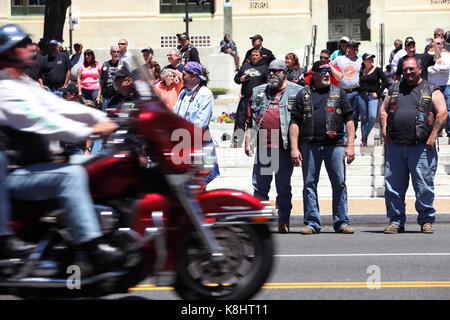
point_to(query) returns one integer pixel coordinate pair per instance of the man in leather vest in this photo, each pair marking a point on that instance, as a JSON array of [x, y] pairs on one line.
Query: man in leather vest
[[317, 128], [268, 124], [29, 118], [412, 114]]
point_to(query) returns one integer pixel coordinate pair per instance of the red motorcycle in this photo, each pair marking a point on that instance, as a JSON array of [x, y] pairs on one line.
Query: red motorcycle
[[206, 244]]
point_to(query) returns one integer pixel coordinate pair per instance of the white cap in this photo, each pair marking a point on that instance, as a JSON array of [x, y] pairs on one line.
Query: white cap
[[346, 39]]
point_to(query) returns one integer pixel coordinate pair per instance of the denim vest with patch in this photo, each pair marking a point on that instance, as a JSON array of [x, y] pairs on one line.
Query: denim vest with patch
[[261, 103]]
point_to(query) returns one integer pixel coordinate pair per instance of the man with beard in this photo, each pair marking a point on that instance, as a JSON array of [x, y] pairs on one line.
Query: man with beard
[[412, 114], [316, 133], [268, 126], [250, 75]]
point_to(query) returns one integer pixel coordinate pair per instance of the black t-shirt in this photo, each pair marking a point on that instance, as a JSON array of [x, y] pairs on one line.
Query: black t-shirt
[[373, 82], [319, 101], [267, 56], [107, 77], [426, 60], [190, 54], [54, 70], [257, 75], [403, 127]]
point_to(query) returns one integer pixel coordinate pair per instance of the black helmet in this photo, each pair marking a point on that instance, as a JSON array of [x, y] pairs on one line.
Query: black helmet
[[11, 35]]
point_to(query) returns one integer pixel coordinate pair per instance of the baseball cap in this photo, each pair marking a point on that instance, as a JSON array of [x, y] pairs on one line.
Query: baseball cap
[[123, 71], [353, 43], [54, 42], [318, 65], [408, 40], [368, 56], [195, 68], [147, 49], [182, 36], [70, 88], [257, 37], [346, 39], [278, 65]]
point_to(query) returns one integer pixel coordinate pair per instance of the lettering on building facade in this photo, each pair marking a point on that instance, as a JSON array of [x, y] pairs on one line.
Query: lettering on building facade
[[259, 4]]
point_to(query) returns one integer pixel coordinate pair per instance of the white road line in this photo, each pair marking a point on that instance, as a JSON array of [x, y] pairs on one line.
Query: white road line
[[361, 254]]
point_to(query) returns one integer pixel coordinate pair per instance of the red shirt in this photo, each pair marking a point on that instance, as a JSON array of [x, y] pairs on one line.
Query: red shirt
[[332, 78], [271, 121]]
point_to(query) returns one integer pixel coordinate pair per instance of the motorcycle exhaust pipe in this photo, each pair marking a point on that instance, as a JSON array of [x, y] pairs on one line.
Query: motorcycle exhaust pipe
[[41, 282]]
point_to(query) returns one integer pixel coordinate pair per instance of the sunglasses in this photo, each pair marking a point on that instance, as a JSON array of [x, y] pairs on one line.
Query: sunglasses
[[121, 44], [410, 69], [115, 51], [324, 58], [326, 71], [274, 71]]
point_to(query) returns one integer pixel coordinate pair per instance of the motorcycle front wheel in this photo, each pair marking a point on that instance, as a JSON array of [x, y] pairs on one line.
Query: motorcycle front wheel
[[248, 261]]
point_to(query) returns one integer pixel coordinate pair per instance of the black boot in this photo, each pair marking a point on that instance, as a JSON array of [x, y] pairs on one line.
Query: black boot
[[103, 256], [12, 247]]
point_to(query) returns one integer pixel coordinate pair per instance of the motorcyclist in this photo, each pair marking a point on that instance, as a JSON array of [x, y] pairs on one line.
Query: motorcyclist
[[30, 117]]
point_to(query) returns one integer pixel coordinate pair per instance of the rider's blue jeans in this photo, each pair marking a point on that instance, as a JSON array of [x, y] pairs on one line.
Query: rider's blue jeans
[[65, 182]]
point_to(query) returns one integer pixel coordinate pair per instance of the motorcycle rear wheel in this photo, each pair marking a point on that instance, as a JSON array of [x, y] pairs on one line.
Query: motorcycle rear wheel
[[249, 257]]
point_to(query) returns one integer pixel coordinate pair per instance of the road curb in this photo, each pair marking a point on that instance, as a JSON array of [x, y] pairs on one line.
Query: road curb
[[379, 219]]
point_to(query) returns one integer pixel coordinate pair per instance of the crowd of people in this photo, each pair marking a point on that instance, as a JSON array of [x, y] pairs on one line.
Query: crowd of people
[[286, 117], [294, 118]]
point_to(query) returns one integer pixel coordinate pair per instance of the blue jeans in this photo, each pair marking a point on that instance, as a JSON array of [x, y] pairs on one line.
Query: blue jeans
[[105, 103], [57, 92], [67, 183], [89, 94], [313, 155], [421, 163], [353, 99], [267, 162], [447, 100], [368, 107], [5, 206], [211, 159]]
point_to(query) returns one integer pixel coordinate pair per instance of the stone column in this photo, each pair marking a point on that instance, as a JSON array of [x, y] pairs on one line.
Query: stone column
[[228, 18]]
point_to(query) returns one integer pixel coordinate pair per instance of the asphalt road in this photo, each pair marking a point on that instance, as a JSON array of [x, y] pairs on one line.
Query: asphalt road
[[367, 265]]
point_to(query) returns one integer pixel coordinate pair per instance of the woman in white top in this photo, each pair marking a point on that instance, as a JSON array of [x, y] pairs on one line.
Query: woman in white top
[[439, 74]]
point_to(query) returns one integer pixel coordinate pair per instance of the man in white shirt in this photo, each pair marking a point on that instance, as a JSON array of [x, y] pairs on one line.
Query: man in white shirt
[[125, 55], [350, 66]]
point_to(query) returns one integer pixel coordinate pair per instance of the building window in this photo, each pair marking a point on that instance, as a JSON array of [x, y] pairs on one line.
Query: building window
[[198, 40], [27, 7], [348, 18], [178, 6]]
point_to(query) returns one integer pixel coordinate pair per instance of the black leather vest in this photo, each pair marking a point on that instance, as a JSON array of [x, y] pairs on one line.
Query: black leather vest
[[425, 115], [333, 115]]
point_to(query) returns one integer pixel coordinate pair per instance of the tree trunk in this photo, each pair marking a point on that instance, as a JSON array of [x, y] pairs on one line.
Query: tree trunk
[[55, 18]]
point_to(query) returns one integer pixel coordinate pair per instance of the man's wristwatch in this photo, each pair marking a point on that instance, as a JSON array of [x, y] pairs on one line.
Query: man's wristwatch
[[88, 149]]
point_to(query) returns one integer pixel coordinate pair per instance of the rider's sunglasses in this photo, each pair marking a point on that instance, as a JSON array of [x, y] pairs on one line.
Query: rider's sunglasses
[[325, 71]]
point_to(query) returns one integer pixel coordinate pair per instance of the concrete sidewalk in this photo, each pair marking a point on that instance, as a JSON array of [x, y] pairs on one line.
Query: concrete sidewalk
[[370, 211]]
